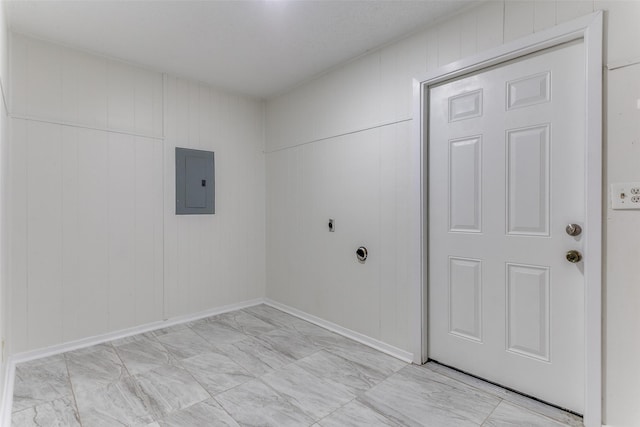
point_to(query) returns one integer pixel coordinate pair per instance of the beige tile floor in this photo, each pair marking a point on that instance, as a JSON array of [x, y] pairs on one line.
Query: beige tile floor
[[258, 367]]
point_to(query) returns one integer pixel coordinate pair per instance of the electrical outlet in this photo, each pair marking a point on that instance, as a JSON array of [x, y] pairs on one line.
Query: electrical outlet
[[625, 195]]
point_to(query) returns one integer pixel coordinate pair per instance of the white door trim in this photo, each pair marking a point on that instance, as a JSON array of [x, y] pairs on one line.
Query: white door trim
[[589, 29]]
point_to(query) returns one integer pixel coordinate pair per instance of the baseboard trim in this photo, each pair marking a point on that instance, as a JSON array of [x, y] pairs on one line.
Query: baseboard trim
[[398, 353], [13, 360], [123, 333], [7, 392]]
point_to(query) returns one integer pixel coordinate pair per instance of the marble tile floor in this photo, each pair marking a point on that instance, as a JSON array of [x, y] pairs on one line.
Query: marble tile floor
[[257, 367]]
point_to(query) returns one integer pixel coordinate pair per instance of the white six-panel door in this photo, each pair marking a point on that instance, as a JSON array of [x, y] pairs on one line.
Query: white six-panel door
[[506, 176]]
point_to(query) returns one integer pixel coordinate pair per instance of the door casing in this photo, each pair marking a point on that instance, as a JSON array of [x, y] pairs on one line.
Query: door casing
[[589, 29]]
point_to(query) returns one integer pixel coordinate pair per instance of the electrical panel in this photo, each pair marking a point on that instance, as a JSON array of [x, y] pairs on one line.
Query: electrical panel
[[195, 182]]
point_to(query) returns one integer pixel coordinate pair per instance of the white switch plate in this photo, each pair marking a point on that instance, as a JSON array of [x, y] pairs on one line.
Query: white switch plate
[[625, 195]]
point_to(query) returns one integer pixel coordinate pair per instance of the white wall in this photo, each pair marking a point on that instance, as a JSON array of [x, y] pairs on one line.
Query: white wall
[[361, 180], [95, 244], [622, 237], [340, 147], [4, 163], [215, 260]]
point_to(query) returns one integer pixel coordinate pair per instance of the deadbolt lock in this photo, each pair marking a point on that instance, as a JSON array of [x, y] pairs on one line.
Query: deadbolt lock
[[573, 230], [574, 256]]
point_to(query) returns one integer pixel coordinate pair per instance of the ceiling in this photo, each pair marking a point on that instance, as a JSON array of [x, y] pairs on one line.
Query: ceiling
[[259, 48]]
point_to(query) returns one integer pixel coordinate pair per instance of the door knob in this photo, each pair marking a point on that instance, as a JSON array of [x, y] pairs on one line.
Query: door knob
[[573, 230], [574, 256]]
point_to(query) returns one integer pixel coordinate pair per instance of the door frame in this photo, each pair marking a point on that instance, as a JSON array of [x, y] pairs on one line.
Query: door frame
[[588, 29]]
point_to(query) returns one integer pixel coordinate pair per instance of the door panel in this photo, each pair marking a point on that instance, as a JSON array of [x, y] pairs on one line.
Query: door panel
[[528, 181], [506, 175], [528, 310], [465, 298], [465, 178]]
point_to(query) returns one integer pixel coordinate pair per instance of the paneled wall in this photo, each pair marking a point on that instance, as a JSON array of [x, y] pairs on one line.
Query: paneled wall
[[622, 237], [4, 168], [87, 232], [65, 86], [215, 260], [351, 126], [95, 244], [86, 195], [365, 182]]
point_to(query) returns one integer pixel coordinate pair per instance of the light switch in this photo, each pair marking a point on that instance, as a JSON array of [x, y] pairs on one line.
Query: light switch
[[625, 195]]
